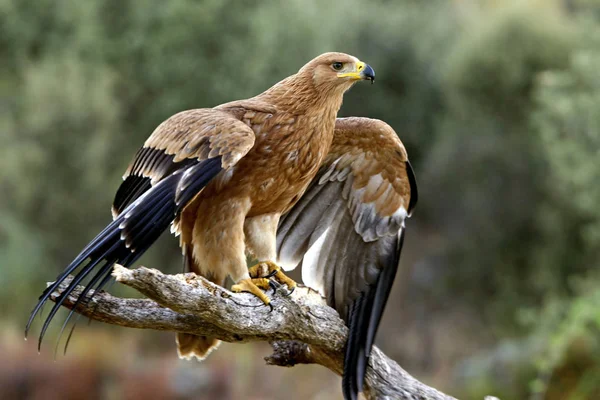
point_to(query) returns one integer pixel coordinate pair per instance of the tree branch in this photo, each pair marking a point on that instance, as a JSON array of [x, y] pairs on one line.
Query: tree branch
[[302, 329]]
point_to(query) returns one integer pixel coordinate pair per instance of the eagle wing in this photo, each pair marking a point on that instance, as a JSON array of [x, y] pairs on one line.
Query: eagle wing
[[347, 231], [178, 160], [183, 140]]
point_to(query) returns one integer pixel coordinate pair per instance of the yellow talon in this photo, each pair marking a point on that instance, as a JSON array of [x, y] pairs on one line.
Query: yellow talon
[[268, 269], [253, 286], [259, 270]]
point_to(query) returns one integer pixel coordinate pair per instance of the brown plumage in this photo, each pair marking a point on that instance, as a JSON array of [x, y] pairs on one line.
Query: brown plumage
[[222, 177], [347, 231]]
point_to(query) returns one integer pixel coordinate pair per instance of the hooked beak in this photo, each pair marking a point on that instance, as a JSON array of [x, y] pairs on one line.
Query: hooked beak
[[363, 72]]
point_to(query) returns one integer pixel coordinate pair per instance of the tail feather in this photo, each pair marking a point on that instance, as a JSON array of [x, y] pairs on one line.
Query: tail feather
[[189, 346], [126, 238]]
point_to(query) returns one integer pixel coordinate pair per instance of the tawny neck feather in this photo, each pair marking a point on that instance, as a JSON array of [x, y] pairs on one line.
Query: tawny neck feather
[[298, 95]]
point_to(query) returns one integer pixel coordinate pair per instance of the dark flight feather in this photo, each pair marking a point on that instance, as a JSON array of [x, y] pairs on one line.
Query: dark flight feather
[[350, 253], [132, 232], [150, 165], [364, 316]]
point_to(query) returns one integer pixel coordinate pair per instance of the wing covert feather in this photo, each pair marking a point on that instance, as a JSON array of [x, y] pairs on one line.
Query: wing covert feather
[[181, 141]]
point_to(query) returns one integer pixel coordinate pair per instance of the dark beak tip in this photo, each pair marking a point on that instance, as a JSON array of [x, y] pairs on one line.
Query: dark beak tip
[[369, 73]]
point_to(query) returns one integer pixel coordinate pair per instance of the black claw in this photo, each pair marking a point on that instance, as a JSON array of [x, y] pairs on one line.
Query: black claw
[[274, 285], [271, 274], [270, 307], [289, 293]]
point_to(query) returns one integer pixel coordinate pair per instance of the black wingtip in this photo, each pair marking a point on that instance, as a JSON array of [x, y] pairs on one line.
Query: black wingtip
[[414, 192], [352, 378], [364, 316], [350, 393], [125, 239]]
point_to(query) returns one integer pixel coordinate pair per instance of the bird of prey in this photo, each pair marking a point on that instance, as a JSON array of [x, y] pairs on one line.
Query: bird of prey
[[221, 178], [347, 231]]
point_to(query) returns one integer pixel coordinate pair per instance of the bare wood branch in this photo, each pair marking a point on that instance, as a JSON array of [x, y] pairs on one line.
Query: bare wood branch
[[302, 329]]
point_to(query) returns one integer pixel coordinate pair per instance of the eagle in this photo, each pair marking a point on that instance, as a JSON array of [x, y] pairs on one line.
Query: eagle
[[238, 179]]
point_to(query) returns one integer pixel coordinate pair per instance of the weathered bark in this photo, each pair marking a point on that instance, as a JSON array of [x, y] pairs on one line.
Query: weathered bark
[[301, 328]]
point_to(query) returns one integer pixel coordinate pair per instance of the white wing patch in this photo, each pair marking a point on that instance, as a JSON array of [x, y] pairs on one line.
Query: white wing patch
[[309, 234], [310, 275]]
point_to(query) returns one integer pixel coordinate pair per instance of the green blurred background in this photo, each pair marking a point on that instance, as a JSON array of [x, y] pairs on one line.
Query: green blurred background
[[497, 102]]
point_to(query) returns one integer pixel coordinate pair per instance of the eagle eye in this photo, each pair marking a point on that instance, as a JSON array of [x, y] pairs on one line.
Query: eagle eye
[[337, 66]]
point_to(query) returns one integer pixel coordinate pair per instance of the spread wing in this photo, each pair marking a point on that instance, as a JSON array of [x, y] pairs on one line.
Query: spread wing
[[177, 161], [347, 231]]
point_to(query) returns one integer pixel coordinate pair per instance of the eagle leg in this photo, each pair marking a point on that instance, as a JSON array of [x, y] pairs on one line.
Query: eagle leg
[[268, 269], [254, 286]]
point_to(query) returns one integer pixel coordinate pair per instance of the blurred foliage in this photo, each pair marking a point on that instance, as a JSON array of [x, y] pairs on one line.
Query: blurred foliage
[[486, 160], [569, 362], [568, 121], [497, 102]]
